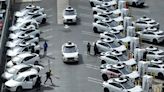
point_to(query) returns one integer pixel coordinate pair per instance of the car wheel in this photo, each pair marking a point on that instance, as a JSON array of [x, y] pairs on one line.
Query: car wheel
[[161, 76], [36, 63], [95, 20], [19, 89], [94, 12], [104, 77], [43, 20], [37, 35], [103, 62], [37, 52], [95, 30], [92, 4], [155, 41], [36, 43], [134, 4], [106, 90]]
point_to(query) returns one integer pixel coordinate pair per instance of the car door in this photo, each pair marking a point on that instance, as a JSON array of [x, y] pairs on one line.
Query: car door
[[33, 78], [153, 69], [103, 47], [145, 36], [113, 73], [102, 27], [114, 87], [150, 55], [27, 84], [37, 17], [141, 24]]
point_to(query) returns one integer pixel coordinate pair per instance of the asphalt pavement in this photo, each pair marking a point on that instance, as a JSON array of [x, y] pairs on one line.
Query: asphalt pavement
[[84, 76]]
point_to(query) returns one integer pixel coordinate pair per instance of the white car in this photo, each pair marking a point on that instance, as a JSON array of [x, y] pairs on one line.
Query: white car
[[39, 17], [156, 54], [121, 85], [24, 34], [136, 2], [24, 24], [70, 52], [142, 24], [100, 26], [151, 36], [156, 67], [109, 16], [93, 3], [14, 42], [25, 58], [29, 8], [15, 70], [109, 44], [99, 9], [69, 15], [113, 71], [25, 80], [115, 59], [111, 35], [111, 5]]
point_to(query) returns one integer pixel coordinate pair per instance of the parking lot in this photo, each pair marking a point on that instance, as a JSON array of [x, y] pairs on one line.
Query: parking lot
[[84, 76]]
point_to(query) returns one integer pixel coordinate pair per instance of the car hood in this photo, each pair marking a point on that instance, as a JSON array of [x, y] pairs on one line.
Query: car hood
[[21, 13], [70, 54], [9, 64], [7, 75], [120, 48], [133, 75], [119, 27], [70, 16], [130, 62], [12, 83], [11, 53], [23, 18], [13, 28], [136, 89]]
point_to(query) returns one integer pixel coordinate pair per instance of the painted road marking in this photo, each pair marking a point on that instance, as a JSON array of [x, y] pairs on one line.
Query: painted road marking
[[61, 5], [50, 9], [50, 16], [92, 67], [90, 33], [47, 30], [48, 37], [98, 81]]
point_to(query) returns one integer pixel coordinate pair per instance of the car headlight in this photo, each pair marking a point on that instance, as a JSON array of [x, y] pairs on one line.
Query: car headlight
[[76, 58]]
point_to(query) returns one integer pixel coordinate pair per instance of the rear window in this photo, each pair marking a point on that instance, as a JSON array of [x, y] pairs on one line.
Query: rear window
[[69, 12], [69, 49]]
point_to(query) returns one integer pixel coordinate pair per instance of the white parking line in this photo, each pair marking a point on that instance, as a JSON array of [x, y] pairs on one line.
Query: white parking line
[[90, 33], [47, 30], [48, 37], [92, 67], [50, 9], [50, 16], [98, 81]]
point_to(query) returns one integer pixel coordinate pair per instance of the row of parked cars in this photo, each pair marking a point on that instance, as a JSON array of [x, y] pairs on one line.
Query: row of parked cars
[[118, 71], [23, 49]]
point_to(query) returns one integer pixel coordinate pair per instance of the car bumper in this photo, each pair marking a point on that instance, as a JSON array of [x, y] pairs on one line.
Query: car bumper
[[12, 89], [69, 21], [70, 60]]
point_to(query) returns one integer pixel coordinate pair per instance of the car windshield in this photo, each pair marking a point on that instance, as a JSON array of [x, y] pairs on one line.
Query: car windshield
[[107, 0], [69, 12], [115, 44], [15, 59], [125, 70], [162, 53], [69, 49], [122, 57], [120, 36], [128, 84], [147, 19], [12, 70], [113, 23], [18, 78]]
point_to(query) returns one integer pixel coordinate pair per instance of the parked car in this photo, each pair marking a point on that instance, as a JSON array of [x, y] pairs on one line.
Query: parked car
[[93, 3], [25, 58], [70, 52], [69, 15], [121, 85], [136, 2], [114, 71], [99, 9], [15, 70], [156, 54], [39, 17], [25, 80]]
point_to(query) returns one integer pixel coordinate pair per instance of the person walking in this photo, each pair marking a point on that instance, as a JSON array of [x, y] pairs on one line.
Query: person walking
[[48, 76], [88, 48], [38, 83], [45, 45], [95, 49]]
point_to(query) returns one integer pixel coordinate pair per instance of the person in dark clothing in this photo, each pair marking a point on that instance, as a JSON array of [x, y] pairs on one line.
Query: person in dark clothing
[[45, 45], [88, 48], [48, 76], [38, 83], [32, 49], [95, 49]]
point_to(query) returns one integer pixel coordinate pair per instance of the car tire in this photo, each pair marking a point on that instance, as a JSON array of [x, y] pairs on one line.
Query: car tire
[[37, 51], [95, 20], [95, 30], [103, 62], [92, 4], [19, 89], [37, 35], [36, 63], [43, 20], [155, 41], [104, 77], [94, 12], [134, 4], [106, 90], [160, 76]]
